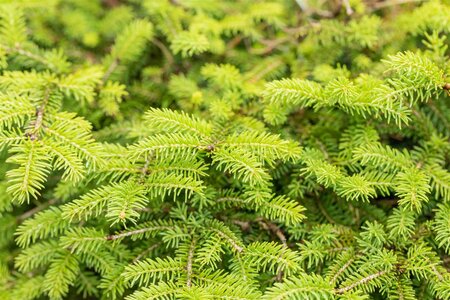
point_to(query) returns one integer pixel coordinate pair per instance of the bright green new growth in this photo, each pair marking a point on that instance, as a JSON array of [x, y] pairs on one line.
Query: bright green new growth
[[224, 150]]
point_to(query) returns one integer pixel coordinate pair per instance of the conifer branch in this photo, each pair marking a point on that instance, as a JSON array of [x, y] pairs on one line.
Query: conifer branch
[[361, 281], [111, 68], [190, 258], [341, 270], [35, 56], [254, 157], [137, 231], [146, 251], [36, 209], [233, 243], [40, 116]]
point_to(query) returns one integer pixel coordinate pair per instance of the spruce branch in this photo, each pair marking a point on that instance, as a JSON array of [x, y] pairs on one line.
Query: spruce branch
[[138, 232], [190, 258], [37, 124], [110, 69], [36, 209], [229, 238], [224, 150], [146, 251], [341, 270], [361, 281]]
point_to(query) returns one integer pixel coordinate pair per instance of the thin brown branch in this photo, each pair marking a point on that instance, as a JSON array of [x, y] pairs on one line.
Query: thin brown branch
[[21, 51], [437, 273], [359, 282], [34, 134], [324, 212], [167, 54], [341, 270], [137, 231], [388, 3], [111, 3], [144, 170], [36, 209], [292, 35], [146, 251], [245, 225], [277, 231], [386, 201], [229, 199], [267, 70], [189, 263], [348, 8], [111, 68], [234, 42], [230, 240], [338, 249], [271, 45]]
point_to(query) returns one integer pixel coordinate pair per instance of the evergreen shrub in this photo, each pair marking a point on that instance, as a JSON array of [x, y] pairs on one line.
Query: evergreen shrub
[[224, 149]]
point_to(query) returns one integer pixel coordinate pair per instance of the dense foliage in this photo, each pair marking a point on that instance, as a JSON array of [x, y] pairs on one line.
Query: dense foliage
[[235, 149]]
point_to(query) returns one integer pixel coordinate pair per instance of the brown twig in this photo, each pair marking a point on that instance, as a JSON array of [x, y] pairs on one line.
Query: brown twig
[[36, 209], [167, 54], [21, 51], [362, 281], [277, 231], [234, 42], [144, 170], [267, 70], [245, 225], [341, 270], [324, 212], [446, 86], [189, 264], [386, 201], [146, 251], [111, 3], [437, 273], [388, 3], [111, 68], [348, 8], [133, 232], [34, 135], [230, 240], [230, 199]]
